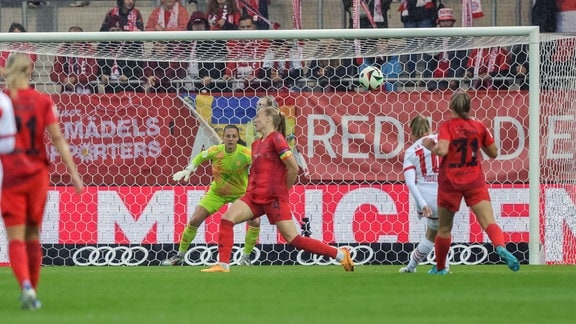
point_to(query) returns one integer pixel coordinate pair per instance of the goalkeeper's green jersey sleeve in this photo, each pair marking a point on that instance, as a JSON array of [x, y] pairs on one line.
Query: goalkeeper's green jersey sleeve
[[229, 170]]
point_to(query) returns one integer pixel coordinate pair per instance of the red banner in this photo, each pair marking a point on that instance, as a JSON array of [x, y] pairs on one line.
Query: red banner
[[362, 136], [124, 139]]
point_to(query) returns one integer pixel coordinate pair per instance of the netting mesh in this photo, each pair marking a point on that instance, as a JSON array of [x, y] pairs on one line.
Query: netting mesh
[[135, 110]]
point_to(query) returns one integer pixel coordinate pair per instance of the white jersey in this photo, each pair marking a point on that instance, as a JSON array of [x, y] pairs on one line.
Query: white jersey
[[421, 173], [7, 124]]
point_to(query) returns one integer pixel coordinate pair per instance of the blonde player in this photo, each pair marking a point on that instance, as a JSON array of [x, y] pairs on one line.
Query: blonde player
[[421, 175]]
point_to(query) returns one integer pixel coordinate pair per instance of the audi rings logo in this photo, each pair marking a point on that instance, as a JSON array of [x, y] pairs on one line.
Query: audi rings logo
[[110, 256], [462, 254], [208, 255]]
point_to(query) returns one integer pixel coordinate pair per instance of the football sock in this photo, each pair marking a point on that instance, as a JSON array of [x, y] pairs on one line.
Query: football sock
[[442, 246], [495, 234], [187, 237], [34, 251], [250, 239], [19, 261], [225, 241], [422, 250], [311, 245]]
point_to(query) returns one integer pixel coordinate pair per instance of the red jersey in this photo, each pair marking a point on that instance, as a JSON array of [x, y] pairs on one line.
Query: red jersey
[[462, 165], [33, 112], [267, 178]]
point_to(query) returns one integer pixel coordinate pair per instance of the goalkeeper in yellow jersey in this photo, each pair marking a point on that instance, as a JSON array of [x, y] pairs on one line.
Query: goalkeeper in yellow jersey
[[230, 164]]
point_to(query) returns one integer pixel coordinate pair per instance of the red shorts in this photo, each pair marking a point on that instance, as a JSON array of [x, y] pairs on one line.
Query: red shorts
[[450, 198], [24, 204], [275, 211]]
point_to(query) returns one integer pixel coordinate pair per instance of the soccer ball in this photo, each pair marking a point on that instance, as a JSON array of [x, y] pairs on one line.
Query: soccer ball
[[371, 78]]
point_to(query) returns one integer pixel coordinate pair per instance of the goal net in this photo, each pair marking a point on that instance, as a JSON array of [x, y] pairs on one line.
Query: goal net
[[135, 106]]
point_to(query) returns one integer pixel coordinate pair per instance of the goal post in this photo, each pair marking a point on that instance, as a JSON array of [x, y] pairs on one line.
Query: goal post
[[349, 140]]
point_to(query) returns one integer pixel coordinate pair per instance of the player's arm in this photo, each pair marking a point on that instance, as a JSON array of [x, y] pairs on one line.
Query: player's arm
[[439, 148], [292, 167], [421, 205], [491, 150], [7, 125], [192, 166], [60, 142]]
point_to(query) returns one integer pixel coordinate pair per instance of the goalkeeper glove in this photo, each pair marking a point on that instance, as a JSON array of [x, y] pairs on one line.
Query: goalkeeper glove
[[184, 174]]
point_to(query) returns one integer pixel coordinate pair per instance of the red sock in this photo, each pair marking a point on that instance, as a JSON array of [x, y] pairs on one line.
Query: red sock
[[441, 249], [495, 234], [314, 246], [34, 251], [225, 241], [19, 261]]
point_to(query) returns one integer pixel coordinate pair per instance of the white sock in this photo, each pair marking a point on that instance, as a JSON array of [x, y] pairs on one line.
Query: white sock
[[422, 250], [226, 266], [340, 255]]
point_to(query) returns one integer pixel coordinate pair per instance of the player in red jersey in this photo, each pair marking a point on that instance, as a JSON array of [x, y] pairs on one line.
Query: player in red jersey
[[460, 176], [273, 172], [25, 183]]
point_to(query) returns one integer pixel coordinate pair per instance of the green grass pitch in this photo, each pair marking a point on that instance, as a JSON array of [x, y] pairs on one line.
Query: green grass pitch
[[296, 294]]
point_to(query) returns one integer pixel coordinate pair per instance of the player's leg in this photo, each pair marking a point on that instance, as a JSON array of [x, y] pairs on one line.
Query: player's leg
[[207, 206], [279, 214], [448, 203], [480, 204], [239, 212], [37, 196], [250, 240], [424, 247]]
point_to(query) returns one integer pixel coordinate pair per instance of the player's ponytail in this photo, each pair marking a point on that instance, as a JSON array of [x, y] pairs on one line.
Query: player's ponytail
[[460, 104], [17, 72]]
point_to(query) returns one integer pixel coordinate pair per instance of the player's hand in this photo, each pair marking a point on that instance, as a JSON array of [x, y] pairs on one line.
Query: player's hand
[[184, 174], [429, 143], [426, 211]]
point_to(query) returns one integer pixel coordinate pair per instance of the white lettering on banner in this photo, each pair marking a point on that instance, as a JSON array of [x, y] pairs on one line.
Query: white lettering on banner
[[96, 128], [112, 211], [328, 128], [559, 211], [348, 137], [329, 131], [344, 213], [511, 152], [554, 151], [157, 212], [378, 131], [90, 152]]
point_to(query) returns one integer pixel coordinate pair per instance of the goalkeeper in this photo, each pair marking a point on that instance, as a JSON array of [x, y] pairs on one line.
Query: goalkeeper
[[230, 163]]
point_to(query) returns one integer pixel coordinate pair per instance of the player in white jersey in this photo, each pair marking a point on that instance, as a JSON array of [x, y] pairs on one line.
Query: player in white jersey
[[421, 175], [7, 125], [7, 129]]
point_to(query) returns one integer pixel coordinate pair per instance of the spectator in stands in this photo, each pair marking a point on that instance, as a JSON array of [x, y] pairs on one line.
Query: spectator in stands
[[223, 15], [170, 15], [566, 16], [75, 74], [246, 58], [417, 14], [123, 17], [17, 46], [519, 67], [120, 70], [257, 9], [378, 13], [159, 76], [446, 64], [205, 76], [332, 75], [283, 65], [488, 68]]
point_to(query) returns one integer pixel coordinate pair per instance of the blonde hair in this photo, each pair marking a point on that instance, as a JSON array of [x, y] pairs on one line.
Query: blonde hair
[[278, 118], [18, 68], [419, 127], [266, 101], [460, 104]]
